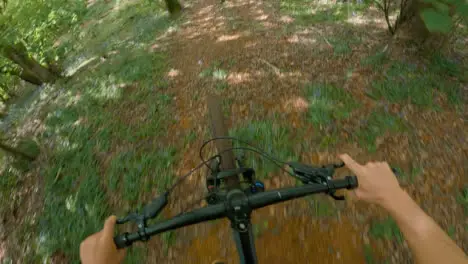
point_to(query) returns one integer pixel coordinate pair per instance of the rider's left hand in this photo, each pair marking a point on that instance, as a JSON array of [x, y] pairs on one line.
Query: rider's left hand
[[99, 248]]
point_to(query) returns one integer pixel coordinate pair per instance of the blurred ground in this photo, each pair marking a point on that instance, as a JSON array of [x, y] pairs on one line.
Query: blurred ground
[[305, 80]]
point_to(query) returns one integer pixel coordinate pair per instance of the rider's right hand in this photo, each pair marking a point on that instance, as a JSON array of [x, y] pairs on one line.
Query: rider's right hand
[[377, 183]]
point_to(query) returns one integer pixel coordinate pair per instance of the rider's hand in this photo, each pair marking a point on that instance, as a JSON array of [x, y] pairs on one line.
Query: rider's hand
[[99, 248], [377, 183]]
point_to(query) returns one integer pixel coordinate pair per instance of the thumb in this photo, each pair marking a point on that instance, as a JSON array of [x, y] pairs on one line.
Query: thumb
[[109, 226], [350, 163]]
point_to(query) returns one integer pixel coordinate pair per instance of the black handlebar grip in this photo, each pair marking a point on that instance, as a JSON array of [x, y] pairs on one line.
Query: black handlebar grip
[[122, 241], [352, 181]]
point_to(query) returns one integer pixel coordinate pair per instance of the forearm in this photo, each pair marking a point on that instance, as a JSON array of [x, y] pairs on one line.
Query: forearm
[[427, 241]]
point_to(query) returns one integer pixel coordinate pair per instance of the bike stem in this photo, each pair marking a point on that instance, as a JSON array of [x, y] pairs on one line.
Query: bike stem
[[238, 212]]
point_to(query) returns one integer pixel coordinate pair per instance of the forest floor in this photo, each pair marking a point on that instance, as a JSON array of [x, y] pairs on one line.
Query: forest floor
[[305, 81]]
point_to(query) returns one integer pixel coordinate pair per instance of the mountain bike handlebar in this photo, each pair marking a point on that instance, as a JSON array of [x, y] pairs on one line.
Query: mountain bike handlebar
[[221, 210]]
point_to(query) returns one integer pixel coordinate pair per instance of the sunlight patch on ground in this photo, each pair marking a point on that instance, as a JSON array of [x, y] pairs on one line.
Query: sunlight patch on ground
[[286, 19], [228, 37], [206, 10], [290, 74], [296, 104], [154, 47], [173, 73], [262, 17], [297, 38], [72, 69], [250, 44], [267, 24], [239, 77]]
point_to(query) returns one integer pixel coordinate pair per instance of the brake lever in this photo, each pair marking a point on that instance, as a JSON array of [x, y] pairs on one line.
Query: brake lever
[[337, 197], [132, 217], [149, 211]]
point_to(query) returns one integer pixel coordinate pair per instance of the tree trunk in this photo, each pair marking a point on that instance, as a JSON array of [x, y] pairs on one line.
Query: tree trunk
[[16, 152], [33, 72], [173, 6], [29, 77]]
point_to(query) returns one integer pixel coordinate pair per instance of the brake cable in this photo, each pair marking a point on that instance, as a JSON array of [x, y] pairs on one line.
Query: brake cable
[[153, 209], [254, 149]]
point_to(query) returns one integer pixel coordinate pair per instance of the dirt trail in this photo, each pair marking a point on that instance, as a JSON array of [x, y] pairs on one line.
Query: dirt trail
[[243, 36]]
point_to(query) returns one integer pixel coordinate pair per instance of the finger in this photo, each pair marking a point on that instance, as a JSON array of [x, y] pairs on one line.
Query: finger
[[109, 226], [351, 194], [121, 254], [350, 163]]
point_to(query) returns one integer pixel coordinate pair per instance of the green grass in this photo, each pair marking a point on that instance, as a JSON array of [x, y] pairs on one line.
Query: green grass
[[408, 176], [137, 172], [377, 124], [386, 229], [340, 47], [104, 132], [328, 103], [403, 82], [190, 137], [328, 140], [462, 199], [136, 254], [321, 207], [343, 44], [9, 181], [168, 239], [221, 85], [271, 137], [132, 26], [260, 228], [451, 230], [376, 60], [75, 204], [446, 66], [369, 255], [307, 12]]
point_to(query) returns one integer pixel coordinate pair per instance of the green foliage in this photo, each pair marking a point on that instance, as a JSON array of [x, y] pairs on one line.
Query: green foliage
[[439, 16], [270, 137], [377, 124], [328, 103], [386, 229], [38, 24], [437, 21]]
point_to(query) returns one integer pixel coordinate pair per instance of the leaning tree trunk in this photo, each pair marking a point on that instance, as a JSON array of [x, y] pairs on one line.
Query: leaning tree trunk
[[16, 152], [411, 27], [173, 6], [32, 71]]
